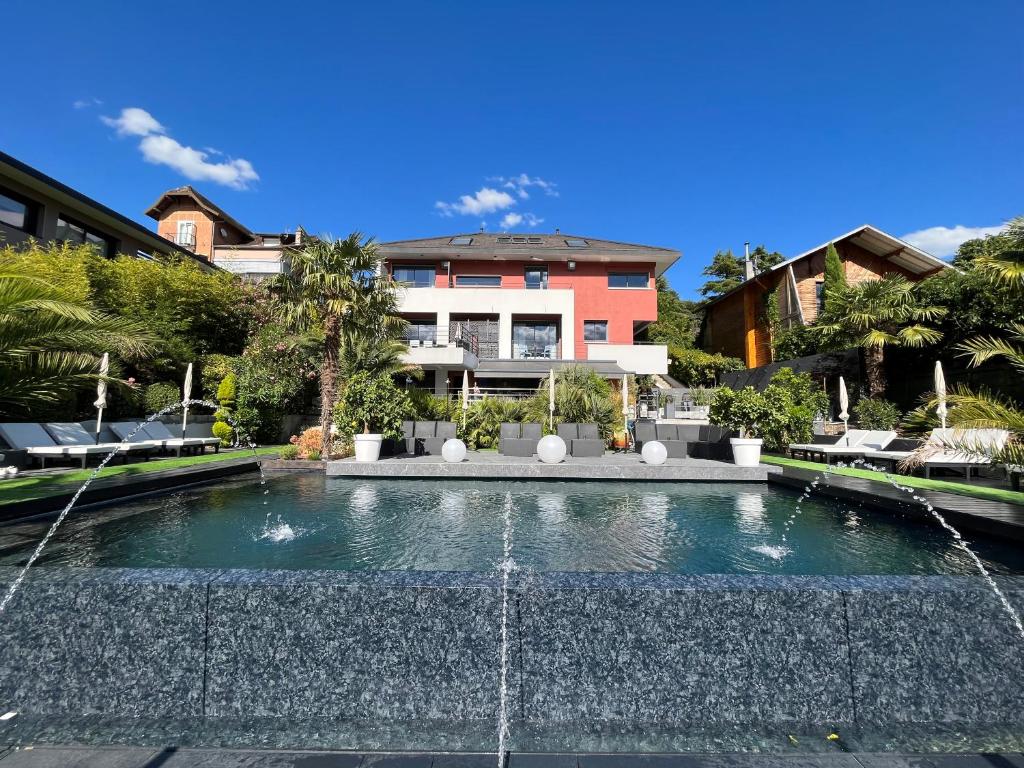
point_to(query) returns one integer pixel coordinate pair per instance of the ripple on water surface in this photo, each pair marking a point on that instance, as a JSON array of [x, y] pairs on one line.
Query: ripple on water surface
[[311, 522]]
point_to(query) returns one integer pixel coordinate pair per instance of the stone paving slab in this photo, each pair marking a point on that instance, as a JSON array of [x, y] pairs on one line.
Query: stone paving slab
[[135, 757], [487, 465]]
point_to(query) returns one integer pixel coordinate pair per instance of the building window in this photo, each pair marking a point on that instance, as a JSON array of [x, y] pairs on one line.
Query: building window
[[595, 330], [421, 332], [478, 281], [18, 212], [70, 231], [535, 340], [536, 277], [414, 276], [185, 236], [628, 280], [819, 295]]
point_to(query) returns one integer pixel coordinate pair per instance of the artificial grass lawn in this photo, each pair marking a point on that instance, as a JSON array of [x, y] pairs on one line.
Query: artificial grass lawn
[[949, 486], [36, 487]]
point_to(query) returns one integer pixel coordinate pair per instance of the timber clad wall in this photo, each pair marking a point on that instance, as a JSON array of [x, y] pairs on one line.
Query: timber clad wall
[[736, 325]]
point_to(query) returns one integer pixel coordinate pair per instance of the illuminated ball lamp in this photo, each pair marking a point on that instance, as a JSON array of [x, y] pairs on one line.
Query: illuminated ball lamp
[[453, 451], [654, 453], [551, 449]]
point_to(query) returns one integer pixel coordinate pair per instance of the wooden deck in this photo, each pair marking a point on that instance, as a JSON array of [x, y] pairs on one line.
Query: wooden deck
[[994, 518]]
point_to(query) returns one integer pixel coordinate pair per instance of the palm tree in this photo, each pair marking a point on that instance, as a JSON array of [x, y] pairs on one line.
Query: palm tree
[[50, 343], [875, 314], [334, 288], [1006, 266], [581, 395]]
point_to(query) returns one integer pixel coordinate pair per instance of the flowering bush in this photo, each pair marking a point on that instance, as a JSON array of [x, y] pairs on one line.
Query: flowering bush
[[307, 441]]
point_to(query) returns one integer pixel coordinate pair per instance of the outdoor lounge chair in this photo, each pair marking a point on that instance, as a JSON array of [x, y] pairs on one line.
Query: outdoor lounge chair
[[712, 443], [643, 432], [896, 451], [668, 435], [519, 439], [404, 444], [950, 458], [73, 433], [443, 430], [39, 444], [122, 430], [855, 443], [157, 430], [581, 439]]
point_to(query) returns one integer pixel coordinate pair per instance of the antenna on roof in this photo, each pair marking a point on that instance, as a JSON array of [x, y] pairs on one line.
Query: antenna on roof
[[556, 230]]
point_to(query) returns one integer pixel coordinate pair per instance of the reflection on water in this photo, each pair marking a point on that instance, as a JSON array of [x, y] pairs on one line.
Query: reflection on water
[[311, 522]]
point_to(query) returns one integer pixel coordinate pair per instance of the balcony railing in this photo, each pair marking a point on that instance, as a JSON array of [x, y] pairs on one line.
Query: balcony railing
[[185, 240], [537, 351]]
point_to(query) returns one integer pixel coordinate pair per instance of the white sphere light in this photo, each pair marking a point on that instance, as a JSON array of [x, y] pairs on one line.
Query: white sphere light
[[551, 449], [453, 451], [654, 453]]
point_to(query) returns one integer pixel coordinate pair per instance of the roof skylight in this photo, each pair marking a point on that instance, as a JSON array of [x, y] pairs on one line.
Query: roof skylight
[[576, 242], [461, 240]]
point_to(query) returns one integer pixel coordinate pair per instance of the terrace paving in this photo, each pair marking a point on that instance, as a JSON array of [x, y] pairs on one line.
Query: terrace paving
[[488, 465], [148, 757]]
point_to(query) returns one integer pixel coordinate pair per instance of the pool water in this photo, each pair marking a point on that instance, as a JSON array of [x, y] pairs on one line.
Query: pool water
[[313, 522]]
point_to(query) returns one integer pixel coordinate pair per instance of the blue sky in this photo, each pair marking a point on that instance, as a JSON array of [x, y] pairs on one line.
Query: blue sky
[[695, 126]]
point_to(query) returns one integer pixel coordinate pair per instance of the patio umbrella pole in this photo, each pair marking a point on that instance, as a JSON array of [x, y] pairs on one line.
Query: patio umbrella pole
[[101, 393], [186, 394]]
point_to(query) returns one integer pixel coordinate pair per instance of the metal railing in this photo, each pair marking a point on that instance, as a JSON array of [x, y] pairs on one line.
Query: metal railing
[[185, 240], [537, 351]]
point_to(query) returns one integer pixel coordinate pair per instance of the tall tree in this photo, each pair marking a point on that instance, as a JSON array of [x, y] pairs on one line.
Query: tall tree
[[876, 314], [835, 277], [51, 342], [726, 272], [678, 320], [764, 259], [1004, 264], [334, 289]]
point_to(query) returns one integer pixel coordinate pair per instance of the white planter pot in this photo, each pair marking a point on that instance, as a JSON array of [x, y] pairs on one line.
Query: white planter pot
[[368, 447], [746, 452]]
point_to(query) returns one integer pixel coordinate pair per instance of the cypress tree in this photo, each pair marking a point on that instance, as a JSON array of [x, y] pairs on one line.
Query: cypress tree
[[835, 278]]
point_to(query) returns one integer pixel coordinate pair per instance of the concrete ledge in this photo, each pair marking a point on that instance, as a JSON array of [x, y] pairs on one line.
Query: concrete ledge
[[493, 466], [605, 651]]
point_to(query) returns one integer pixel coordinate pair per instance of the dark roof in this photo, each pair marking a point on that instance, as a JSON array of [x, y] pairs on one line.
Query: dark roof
[[511, 245], [202, 201], [871, 239], [137, 229]]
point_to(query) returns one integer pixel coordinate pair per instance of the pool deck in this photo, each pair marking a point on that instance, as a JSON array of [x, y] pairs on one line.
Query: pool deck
[[987, 516], [486, 465], [148, 757]]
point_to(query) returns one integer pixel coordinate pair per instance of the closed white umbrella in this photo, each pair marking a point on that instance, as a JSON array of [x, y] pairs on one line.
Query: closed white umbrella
[[465, 396], [101, 393], [844, 405], [186, 393], [625, 405], [551, 397], [940, 393]]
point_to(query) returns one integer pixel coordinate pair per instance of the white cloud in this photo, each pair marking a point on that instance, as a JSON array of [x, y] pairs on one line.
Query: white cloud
[[943, 241], [486, 200], [134, 121], [513, 219], [520, 184], [159, 148], [86, 103]]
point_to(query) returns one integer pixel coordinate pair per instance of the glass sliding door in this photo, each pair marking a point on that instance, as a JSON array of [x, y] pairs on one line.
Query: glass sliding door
[[535, 340]]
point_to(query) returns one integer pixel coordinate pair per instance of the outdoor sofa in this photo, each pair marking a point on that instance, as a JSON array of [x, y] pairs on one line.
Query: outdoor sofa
[[40, 444], [676, 444], [712, 443], [428, 437], [516, 439], [581, 439]]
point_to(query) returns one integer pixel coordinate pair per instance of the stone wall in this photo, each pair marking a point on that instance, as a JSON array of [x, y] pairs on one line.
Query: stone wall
[[613, 650]]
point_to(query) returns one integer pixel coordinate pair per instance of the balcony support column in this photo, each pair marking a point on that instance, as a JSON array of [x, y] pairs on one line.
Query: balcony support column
[[505, 336]]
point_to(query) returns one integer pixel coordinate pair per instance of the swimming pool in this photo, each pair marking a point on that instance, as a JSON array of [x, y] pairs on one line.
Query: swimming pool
[[309, 522]]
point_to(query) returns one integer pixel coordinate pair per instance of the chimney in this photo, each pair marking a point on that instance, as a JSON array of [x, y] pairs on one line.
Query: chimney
[[748, 265], [556, 230]]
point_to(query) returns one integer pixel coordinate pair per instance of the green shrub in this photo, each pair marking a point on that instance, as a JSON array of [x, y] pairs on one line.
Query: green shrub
[[288, 452], [795, 401], [224, 431], [581, 395], [876, 413], [160, 395], [212, 371], [694, 368], [373, 404], [313, 455], [430, 407], [227, 392], [485, 417], [798, 341], [744, 411]]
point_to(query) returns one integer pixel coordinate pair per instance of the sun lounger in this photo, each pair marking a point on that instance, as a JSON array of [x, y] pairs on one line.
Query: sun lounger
[[73, 433], [896, 451], [39, 444], [157, 430], [948, 457], [130, 433], [855, 443]]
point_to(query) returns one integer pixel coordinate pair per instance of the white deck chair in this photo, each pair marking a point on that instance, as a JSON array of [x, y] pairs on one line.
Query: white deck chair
[[157, 430], [38, 443]]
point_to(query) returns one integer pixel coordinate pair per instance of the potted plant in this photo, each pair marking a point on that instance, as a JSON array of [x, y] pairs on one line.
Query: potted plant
[[371, 408], [670, 407], [743, 411], [701, 397]]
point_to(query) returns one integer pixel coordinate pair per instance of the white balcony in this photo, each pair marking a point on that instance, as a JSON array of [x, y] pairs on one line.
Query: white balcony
[[635, 358], [428, 355]]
